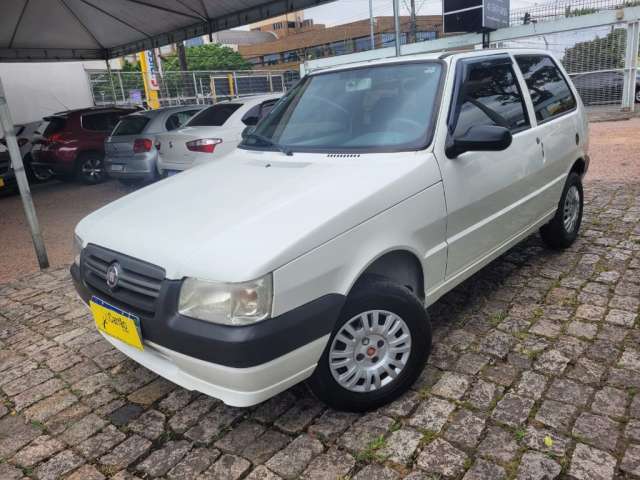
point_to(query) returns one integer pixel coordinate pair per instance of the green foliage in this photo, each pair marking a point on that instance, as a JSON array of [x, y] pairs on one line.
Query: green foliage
[[130, 67], [598, 54], [208, 57]]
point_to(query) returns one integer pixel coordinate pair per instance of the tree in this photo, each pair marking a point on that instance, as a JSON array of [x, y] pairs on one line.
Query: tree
[[598, 54], [208, 57]]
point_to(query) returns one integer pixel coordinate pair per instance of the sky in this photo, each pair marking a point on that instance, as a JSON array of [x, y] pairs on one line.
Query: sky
[[344, 11]]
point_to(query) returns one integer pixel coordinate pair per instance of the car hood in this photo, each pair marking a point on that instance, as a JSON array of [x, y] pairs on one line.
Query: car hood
[[252, 212]]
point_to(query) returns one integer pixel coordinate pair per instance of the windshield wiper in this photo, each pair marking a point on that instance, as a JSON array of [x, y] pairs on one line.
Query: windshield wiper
[[270, 143]]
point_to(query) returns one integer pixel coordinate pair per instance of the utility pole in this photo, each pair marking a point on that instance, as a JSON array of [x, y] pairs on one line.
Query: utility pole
[[396, 23], [182, 59], [23, 185], [413, 22], [371, 22]]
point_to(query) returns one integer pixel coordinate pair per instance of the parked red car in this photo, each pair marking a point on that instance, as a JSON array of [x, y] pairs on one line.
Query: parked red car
[[72, 143]]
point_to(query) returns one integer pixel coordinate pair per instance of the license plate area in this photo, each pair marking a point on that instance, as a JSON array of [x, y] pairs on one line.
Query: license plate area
[[116, 323]]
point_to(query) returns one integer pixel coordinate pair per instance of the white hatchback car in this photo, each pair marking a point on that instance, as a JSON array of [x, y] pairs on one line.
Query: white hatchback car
[[312, 251], [211, 134]]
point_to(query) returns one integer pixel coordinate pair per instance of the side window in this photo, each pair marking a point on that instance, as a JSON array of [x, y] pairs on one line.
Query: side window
[[490, 95], [178, 119], [548, 88], [97, 122]]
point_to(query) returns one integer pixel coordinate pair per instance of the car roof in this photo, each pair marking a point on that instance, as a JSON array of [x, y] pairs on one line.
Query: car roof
[[251, 100], [165, 110], [447, 55]]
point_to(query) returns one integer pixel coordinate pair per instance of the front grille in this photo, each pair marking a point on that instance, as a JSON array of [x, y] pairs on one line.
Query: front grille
[[139, 282]]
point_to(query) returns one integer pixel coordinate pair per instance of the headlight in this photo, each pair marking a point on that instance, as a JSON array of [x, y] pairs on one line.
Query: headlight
[[77, 249], [227, 303]]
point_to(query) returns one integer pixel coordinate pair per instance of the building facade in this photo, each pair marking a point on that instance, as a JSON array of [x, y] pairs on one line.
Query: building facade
[[317, 41]]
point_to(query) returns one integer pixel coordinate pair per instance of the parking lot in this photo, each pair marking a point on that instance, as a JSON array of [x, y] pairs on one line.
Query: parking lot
[[534, 374]]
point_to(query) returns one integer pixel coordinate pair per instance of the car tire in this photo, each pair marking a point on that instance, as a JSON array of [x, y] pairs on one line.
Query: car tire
[[398, 312], [36, 174], [638, 95], [90, 168], [563, 229]]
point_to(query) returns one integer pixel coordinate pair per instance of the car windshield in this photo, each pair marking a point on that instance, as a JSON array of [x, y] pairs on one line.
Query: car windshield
[[379, 108], [130, 125]]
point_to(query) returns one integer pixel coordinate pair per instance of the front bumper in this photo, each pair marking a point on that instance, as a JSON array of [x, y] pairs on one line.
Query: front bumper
[[240, 365]]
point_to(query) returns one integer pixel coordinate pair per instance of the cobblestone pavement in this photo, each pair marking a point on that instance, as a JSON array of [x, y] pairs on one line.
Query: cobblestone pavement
[[535, 374]]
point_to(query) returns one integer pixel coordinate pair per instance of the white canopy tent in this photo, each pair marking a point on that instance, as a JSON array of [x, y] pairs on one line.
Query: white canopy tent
[[59, 30]]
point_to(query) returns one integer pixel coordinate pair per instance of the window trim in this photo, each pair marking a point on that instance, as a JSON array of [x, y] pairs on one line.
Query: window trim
[[461, 70], [429, 132], [567, 81]]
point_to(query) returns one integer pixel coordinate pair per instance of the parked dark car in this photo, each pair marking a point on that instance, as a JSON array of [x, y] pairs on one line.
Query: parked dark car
[[25, 134], [599, 88], [72, 143]]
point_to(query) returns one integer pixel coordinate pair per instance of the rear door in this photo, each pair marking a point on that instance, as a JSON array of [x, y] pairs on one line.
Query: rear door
[[559, 126], [484, 191]]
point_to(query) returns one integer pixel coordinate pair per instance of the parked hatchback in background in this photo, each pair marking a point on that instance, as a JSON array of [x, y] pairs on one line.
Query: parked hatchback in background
[[601, 88], [312, 251], [72, 143], [131, 155], [25, 134], [212, 133]]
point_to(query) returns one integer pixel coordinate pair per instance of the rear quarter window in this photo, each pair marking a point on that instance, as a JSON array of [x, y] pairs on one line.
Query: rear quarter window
[[53, 125], [214, 116], [549, 90]]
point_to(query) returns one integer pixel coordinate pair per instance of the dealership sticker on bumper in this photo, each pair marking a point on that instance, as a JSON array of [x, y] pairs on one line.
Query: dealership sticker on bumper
[[116, 323]]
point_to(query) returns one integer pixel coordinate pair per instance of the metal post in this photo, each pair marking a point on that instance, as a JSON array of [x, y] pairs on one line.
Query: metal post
[[414, 28], [23, 185], [195, 88], [121, 87], [396, 22], [235, 84], [113, 87], [371, 25], [631, 66]]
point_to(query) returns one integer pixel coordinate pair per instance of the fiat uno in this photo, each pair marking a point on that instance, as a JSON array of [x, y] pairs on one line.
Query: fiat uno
[[313, 251]]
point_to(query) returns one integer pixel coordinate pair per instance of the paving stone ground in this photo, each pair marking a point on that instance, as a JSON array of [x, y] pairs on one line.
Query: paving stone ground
[[535, 374]]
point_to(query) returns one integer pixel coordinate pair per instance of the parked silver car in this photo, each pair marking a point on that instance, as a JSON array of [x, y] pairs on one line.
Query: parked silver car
[[130, 151]]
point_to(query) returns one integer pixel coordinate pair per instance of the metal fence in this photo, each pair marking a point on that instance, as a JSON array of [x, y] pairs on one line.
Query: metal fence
[[189, 87], [594, 58], [564, 9]]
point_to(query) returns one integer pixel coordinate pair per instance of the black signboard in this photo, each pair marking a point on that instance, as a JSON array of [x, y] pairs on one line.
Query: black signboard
[[475, 15]]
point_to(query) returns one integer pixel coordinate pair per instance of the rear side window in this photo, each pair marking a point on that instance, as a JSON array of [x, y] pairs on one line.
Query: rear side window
[[176, 120], [54, 125], [547, 86], [490, 95], [100, 122], [214, 116], [131, 125]]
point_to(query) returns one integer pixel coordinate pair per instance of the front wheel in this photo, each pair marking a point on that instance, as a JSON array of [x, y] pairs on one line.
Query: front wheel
[[377, 350], [90, 169], [562, 230]]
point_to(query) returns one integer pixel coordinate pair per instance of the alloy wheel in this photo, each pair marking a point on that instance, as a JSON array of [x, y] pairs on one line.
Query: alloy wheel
[[370, 351], [571, 209]]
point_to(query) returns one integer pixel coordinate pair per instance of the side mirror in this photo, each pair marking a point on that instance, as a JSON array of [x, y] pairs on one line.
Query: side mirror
[[480, 138], [247, 130], [251, 121]]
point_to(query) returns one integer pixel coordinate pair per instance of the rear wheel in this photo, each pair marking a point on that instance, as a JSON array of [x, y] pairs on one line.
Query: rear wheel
[[638, 95], [377, 349], [562, 230], [90, 168]]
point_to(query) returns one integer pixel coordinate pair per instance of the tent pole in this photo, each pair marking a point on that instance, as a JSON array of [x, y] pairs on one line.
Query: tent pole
[[396, 24], [113, 87], [23, 185]]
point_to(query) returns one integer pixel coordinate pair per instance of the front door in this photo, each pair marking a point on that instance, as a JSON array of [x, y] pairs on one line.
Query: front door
[[486, 192]]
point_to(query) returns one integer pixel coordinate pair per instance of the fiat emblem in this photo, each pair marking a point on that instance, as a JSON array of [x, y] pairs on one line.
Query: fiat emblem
[[113, 274]]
